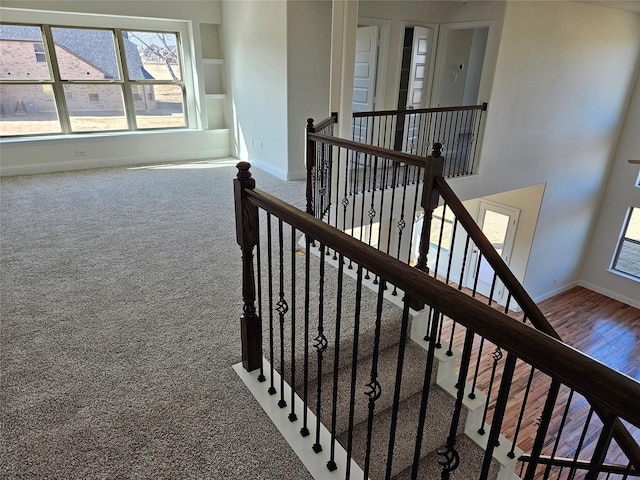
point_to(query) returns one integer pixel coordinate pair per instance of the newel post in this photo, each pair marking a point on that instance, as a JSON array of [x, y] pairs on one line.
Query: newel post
[[246, 236], [434, 167], [311, 165]]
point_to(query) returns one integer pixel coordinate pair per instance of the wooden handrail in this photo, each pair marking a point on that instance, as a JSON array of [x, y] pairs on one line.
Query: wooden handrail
[[547, 354], [634, 161], [378, 113], [361, 147], [581, 464], [536, 317], [326, 122]]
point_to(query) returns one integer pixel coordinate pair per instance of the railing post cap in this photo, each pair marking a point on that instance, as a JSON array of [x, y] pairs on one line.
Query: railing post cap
[[310, 124], [243, 170], [437, 149]]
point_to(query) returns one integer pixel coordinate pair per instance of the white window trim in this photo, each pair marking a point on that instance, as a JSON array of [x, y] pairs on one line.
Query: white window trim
[[66, 19]]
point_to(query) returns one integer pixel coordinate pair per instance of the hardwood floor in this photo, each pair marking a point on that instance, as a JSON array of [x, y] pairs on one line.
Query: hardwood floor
[[602, 328]]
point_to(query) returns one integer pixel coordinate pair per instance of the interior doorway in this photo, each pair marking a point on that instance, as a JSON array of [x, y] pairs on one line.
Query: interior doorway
[[499, 224]]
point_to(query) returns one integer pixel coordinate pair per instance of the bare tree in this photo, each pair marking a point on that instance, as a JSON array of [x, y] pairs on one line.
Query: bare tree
[[164, 56]]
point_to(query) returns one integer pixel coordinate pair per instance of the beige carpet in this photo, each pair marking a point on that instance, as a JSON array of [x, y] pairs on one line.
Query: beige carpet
[[120, 300]]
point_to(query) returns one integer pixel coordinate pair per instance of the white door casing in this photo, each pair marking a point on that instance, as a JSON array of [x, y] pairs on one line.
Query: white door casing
[[499, 224]]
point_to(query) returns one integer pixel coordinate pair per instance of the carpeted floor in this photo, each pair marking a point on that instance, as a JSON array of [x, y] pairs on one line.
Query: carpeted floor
[[120, 303]]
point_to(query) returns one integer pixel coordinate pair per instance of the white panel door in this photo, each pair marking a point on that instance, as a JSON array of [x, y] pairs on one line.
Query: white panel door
[[419, 87], [499, 224], [364, 80]]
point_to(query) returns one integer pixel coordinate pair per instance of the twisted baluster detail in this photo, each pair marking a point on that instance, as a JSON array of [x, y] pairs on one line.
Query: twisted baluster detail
[[450, 462]]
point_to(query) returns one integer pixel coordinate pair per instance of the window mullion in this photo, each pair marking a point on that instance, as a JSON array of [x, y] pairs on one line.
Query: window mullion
[[129, 106], [57, 85]]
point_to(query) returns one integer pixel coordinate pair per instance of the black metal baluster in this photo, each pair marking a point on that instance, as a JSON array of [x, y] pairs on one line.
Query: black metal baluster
[[472, 393], [498, 412], [320, 344], [354, 174], [449, 134], [374, 389], [261, 377], [292, 414], [413, 219], [393, 199], [354, 368], [600, 452], [497, 356], [512, 453], [304, 431], [345, 198], [372, 211], [396, 393], [401, 222], [556, 444], [473, 153], [426, 383], [545, 420], [573, 469], [282, 308], [331, 464], [440, 235], [451, 249], [272, 388], [451, 459]]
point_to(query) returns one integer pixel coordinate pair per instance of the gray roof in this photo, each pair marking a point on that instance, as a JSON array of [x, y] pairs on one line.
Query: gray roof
[[95, 47]]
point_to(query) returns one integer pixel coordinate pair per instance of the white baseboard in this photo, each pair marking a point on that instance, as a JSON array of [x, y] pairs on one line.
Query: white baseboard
[[71, 165], [554, 292], [634, 302]]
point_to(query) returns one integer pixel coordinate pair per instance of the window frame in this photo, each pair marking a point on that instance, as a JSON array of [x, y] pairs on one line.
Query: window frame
[[187, 82], [620, 243]]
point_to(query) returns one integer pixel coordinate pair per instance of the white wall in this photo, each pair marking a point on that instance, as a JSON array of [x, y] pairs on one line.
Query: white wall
[[55, 154], [563, 78], [255, 43], [619, 195], [278, 57], [308, 73]]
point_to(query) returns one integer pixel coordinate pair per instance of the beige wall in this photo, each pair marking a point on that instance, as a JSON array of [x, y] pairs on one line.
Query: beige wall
[[559, 97]]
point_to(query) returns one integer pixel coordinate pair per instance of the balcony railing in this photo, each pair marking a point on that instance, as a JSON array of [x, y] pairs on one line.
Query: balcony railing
[[327, 332], [415, 131]]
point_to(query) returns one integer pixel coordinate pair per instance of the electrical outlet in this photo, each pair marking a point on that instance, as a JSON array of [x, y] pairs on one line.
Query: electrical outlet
[[81, 152]]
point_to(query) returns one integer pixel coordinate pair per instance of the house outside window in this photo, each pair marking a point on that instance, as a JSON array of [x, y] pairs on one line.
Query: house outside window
[[89, 80], [627, 256]]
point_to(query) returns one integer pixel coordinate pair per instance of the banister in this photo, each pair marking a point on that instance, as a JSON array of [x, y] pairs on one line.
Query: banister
[[377, 113], [581, 464], [637, 162], [326, 122], [535, 316], [361, 147], [573, 368]]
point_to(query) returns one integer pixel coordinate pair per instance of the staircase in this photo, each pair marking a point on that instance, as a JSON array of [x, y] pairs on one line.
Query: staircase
[[360, 337], [342, 419]]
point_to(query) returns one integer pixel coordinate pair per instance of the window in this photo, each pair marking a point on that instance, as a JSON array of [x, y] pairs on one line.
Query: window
[[627, 257], [89, 80], [38, 48]]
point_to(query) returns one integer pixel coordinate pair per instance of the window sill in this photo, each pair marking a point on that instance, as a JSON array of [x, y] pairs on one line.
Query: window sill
[[624, 275], [74, 137]]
